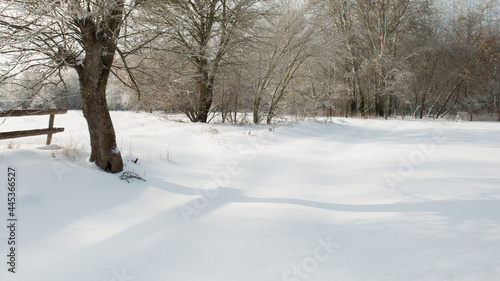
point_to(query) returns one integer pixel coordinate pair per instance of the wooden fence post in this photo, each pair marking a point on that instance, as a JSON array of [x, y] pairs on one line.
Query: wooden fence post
[[51, 125]]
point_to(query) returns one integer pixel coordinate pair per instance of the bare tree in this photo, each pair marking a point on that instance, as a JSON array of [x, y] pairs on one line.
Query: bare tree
[[49, 36], [285, 41], [202, 33]]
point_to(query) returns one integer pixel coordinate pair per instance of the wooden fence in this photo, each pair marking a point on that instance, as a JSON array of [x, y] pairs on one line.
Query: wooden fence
[[36, 132]]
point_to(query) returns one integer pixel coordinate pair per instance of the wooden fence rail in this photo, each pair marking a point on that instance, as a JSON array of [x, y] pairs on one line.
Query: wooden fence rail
[[36, 132]]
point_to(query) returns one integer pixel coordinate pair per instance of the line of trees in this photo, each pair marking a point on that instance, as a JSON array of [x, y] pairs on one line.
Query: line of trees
[[207, 58], [367, 58], [410, 57]]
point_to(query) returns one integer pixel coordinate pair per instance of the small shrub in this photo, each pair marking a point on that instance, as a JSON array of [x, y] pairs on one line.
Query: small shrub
[[130, 176]]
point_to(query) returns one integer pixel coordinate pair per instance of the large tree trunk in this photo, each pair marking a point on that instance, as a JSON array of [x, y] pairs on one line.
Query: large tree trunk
[[204, 100], [206, 97], [99, 43], [93, 76]]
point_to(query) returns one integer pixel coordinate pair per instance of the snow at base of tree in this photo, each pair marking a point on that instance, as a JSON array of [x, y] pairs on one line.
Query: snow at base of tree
[[346, 199]]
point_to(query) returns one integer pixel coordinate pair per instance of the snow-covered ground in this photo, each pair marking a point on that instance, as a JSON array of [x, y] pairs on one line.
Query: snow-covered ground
[[343, 200]]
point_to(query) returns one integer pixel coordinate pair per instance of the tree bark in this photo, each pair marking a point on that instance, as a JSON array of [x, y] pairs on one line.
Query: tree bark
[[361, 105], [206, 97], [93, 79], [422, 104], [379, 110], [256, 106], [93, 76]]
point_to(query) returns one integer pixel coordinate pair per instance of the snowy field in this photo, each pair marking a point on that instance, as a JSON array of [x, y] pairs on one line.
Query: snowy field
[[346, 200]]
